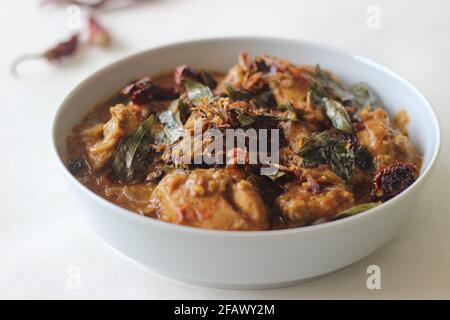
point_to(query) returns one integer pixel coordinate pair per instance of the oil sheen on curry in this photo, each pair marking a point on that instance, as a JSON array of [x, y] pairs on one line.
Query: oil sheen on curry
[[339, 152]]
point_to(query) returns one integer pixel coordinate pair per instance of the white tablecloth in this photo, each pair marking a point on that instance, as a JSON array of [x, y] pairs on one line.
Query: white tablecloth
[[48, 251]]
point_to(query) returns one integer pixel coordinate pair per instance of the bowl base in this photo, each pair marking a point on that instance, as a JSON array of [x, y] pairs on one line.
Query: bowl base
[[263, 286]]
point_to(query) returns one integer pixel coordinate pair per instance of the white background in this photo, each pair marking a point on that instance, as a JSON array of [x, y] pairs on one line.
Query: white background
[[43, 240]]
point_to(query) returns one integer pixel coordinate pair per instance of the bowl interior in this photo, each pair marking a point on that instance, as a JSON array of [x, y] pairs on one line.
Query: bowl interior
[[220, 54]]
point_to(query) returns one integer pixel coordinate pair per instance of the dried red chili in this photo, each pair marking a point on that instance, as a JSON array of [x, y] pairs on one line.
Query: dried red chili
[[146, 90], [62, 49], [81, 3], [392, 180], [55, 54], [97, 34]]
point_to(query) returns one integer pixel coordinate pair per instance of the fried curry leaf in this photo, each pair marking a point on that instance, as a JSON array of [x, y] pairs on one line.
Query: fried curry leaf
[[263, 116], [317, 94], [338, 151], [293, 113], [238, 94], [342, 160], [172, 119], [261, 99], [325, 85], [275, 118], [317, 149], [208, 79], [363, 158], [197, 92], [130, 159], [244, 120], [355, 210], [319, 221], [349, 212], [276, 175], [195, 74], [363, 95], [265, 99], [321, 149], [338, 116]]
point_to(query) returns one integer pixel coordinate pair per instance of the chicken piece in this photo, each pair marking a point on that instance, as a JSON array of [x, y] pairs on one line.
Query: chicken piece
[[123, 122], [401, 121], [289, 83], [237, 74], [288, 87], [361, 185], [322, 194], [385, 143], [213, 199], [295, 133]]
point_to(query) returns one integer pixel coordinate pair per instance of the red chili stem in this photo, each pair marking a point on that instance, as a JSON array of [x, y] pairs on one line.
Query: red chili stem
[[23, 58]]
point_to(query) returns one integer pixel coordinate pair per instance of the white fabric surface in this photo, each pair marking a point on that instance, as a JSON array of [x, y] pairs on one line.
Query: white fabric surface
[[43, 240]]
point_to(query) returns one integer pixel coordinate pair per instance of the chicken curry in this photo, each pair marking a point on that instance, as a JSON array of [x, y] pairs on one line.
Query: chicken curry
[[339, 152]]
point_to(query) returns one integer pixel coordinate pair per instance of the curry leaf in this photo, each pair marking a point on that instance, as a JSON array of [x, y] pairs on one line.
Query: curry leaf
[[326, 87], [238, 94], [355, 210], [197, 92], [317, 149], [195, 74], [349, 212], [207, 79], [276, 175], [319, 221], [363, 158], [265, 99], [172, 120], [317, 94], [342, 160], [130, 159], [325, 83], [261, 99], [363, 95], [293, 113], [244, 120], [338, 116], [274, 119], [338, 151]]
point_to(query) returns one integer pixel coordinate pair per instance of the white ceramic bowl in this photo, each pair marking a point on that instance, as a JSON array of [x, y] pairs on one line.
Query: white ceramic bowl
[[254, 259]]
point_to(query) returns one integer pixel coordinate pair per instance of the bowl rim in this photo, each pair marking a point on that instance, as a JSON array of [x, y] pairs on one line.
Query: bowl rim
[[138, 218]]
